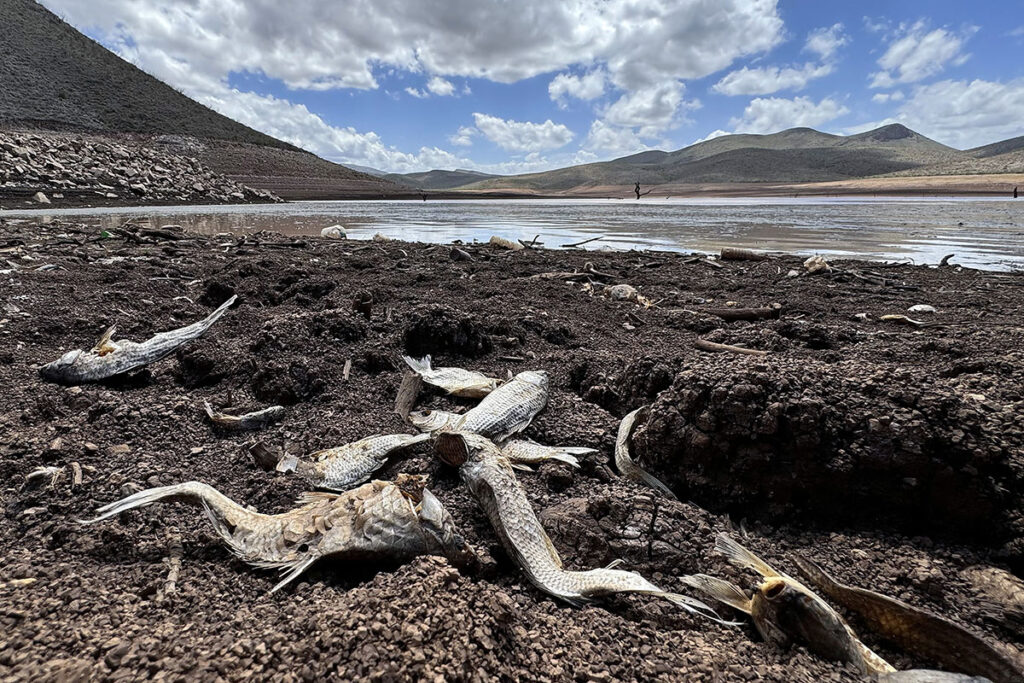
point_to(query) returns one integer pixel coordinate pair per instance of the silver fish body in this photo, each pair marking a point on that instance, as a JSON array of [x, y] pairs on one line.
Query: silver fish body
[[509, 409], [110, 358], [249, 421], [378, 521], [342, 468], [432, 420], [490, 478], [624, 461], [527, 452], [455, 381]]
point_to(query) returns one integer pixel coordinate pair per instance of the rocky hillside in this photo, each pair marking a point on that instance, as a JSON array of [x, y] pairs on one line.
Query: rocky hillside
[[73, 169], [53, 78]]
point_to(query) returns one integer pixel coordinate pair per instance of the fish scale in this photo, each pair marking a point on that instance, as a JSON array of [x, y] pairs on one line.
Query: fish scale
[[343, 467], [509, 409], [379, 520]]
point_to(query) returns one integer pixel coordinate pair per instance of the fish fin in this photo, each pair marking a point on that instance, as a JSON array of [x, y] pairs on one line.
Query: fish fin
[[617, 562], [103, 344], [652, 481], [294, 570], [521, 467], [815, 574], [287, 464], [552, 549], [720, 590], [741, 557], [576, 450], [418, 366], [566, 458], [308, 497], [188, 490], [694, 606]]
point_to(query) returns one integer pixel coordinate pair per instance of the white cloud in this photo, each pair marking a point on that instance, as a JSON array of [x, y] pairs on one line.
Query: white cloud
[[826, 40], [522, 136], [916, 54], [882, 97], [611, 141], [316, 45], [464, 136], [440, 86], [772, 114], [711, 136], [416, 93], [589, 86], [652, 110], [965, 114], [766, 80]]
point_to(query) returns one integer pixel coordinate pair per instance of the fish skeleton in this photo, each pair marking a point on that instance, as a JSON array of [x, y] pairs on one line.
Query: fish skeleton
[[378, 521], [432, 420], [489, 477], [528, 452], [109, 357], [343, 467], [784, 610], [509, 409], [624, 461], [248, 421], [916, 630], [455, 381]]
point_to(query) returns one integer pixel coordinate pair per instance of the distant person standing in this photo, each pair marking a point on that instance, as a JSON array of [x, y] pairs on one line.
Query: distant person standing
[[1014, 192]]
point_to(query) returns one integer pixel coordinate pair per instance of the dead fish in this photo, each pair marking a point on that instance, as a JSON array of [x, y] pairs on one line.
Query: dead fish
[[899, 318], [624, 461], [784, 611], [527, 452], [1000, 592], [455, 381], [928, 676], [509, 409], [432, 420], [343, 467], [255, 420], [489, 477], [916, 630], [109, 358], [381, 520]]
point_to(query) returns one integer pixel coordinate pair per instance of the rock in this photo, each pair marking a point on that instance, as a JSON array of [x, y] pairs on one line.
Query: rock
[[40, 198], [816, 264], [922, 308]]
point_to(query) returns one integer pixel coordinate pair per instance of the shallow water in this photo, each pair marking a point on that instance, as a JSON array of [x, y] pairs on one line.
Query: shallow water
[[982, 232]]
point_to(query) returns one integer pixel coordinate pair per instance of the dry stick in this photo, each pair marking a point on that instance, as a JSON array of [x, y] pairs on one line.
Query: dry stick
[[735, 254], [713, 264], [173, 564], [705, 345], [347, 370], [408, 392], [945, 259], [766, 313], [580, 244], [76, 474]]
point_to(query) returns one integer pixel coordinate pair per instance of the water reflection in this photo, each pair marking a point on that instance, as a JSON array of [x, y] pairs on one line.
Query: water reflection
[[984, 233]]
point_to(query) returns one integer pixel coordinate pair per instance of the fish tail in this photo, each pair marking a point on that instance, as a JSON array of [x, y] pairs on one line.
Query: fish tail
[[720, 590], [209, 320], [562, 456], [193, 492], [741, 557], [655, 483], [418, 366], [287, 464]]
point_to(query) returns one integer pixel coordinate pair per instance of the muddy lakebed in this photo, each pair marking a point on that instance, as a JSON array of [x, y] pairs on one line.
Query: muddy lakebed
[[891, 454]]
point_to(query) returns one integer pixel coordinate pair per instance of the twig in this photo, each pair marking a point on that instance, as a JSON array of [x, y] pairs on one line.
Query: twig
[[347, 370], [705, 345], [713, 264], [945, 259], [408, 392], [580, 244], [173, 565], [735, 254], [512, 359], [767, 313]]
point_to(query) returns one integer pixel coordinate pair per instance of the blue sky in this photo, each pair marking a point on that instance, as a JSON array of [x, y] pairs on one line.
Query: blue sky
[[506, 87]]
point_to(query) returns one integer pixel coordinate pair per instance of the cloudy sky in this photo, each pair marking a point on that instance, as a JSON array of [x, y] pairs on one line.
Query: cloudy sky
[[510, 86]]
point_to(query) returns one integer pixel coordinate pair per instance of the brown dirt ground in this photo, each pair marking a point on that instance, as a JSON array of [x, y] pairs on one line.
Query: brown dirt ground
[[96, 610]]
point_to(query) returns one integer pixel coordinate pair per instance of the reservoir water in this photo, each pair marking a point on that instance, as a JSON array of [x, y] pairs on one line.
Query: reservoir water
[[982, 232]]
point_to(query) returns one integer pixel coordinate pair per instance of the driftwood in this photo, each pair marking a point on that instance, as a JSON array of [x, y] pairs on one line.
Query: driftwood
[[580, 244], [945, 259], [771, 312], [173, 565], [532, 243], [705, 345], [735, 254], [588, 273], [408, 392]]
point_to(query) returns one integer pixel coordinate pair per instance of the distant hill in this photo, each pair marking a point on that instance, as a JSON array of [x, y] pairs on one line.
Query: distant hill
[[439, 180], [794, 155], [54, 78], [998, 148]]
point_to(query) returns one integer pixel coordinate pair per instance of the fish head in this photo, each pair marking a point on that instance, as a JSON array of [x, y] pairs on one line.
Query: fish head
[[429, 420], [784, 612], [456, 448], [61, 369], [440, 528], [537, 377]]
